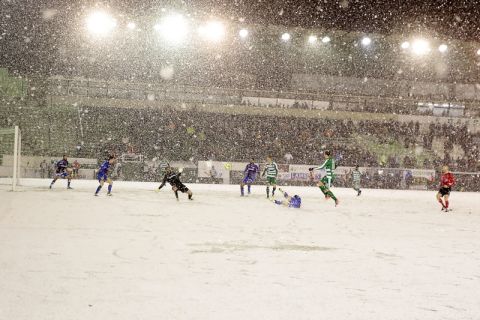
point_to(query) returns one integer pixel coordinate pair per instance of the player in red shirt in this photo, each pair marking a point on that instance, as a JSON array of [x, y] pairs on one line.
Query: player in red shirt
[[447, 181]]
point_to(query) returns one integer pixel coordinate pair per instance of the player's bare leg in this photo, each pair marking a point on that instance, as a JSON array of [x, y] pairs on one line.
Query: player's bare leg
[[53, 182], [175, 190], [327, 192], [101, 182], [110, 185], [439, 199], [445, 200]]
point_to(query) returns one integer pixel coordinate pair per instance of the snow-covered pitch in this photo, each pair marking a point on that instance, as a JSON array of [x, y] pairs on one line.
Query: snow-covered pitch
[[65, 254]]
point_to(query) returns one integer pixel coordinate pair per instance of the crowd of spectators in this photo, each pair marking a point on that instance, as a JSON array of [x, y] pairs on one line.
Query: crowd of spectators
[[192, 135], [196, 135]]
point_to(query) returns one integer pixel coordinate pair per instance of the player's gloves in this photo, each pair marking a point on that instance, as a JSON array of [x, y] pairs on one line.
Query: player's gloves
[[310, 169]]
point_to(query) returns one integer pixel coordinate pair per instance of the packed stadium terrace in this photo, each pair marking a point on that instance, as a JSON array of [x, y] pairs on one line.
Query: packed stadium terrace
[[192, 134]]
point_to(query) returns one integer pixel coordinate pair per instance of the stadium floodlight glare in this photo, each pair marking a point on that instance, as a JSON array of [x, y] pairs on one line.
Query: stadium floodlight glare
[[420, 47], [243, 33], [326, 39], [405, 45], [100, 23], [443, 48], [478, 52], [286, 36], [213, 31], [366, 41], [173, 28], [131, 26], [312, 39]]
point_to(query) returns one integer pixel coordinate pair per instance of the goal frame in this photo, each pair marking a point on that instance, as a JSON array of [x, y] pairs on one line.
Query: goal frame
[[17, 154]]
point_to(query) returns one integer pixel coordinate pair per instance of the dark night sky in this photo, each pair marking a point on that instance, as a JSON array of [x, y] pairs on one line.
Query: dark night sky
[[23, 32], [453, 18], [457, 19]]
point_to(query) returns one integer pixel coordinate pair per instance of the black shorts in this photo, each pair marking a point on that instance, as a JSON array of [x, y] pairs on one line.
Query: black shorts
[[444, 191], [181, 187]]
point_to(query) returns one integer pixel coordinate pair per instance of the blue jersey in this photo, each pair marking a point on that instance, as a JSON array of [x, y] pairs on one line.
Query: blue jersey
[[62, 166], [295, 202], [103, 171], [251, 171]]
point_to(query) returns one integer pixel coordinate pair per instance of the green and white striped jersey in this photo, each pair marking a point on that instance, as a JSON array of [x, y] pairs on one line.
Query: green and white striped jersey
[[271, 170], [329, 166], [356, 175]]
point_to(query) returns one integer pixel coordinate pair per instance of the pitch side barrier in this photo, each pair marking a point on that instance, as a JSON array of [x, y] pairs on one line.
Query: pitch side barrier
[[372, 177]]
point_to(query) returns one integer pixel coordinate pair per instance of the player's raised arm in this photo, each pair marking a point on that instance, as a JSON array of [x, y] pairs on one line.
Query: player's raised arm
[[320, 167]]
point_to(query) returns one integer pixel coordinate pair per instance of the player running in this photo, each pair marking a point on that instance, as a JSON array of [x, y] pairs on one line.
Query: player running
[[356, 177], [250, 173], [326, 182], [447, 181], [62, 171], [102, 175], [271, 172], [291, 202], [174, 179]]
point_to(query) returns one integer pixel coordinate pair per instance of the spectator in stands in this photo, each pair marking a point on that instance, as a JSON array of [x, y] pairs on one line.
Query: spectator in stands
[[76, 168], [44, 169]]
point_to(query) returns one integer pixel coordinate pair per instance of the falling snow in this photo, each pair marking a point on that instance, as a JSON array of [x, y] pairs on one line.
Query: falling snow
[[198, 89]]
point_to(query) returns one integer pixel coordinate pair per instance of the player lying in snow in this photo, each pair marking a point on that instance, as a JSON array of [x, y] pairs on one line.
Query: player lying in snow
[[174, 179], [291, 202]]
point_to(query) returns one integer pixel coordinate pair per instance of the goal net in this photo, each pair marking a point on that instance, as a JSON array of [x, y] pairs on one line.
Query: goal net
[[10, 159]]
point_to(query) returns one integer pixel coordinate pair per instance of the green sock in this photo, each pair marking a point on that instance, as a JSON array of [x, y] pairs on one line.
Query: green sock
[[330, 193], [324, 189]]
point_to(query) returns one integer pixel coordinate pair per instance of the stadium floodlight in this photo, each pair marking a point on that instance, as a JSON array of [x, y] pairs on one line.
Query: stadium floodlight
[[405, 45], [131, 26], [213, 31], [443, 48], [312, 39], [478, 52], [366, 41], [326, 39], [173, 28], [420, 47], [243, 33], [286, 36], [100, 23]]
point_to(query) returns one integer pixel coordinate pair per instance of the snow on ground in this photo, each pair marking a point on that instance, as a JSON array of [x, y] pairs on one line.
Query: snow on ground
[[65, 254]]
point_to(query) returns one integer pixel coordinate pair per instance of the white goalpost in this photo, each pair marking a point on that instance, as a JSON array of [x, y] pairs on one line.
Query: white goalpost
[[10, 156]]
